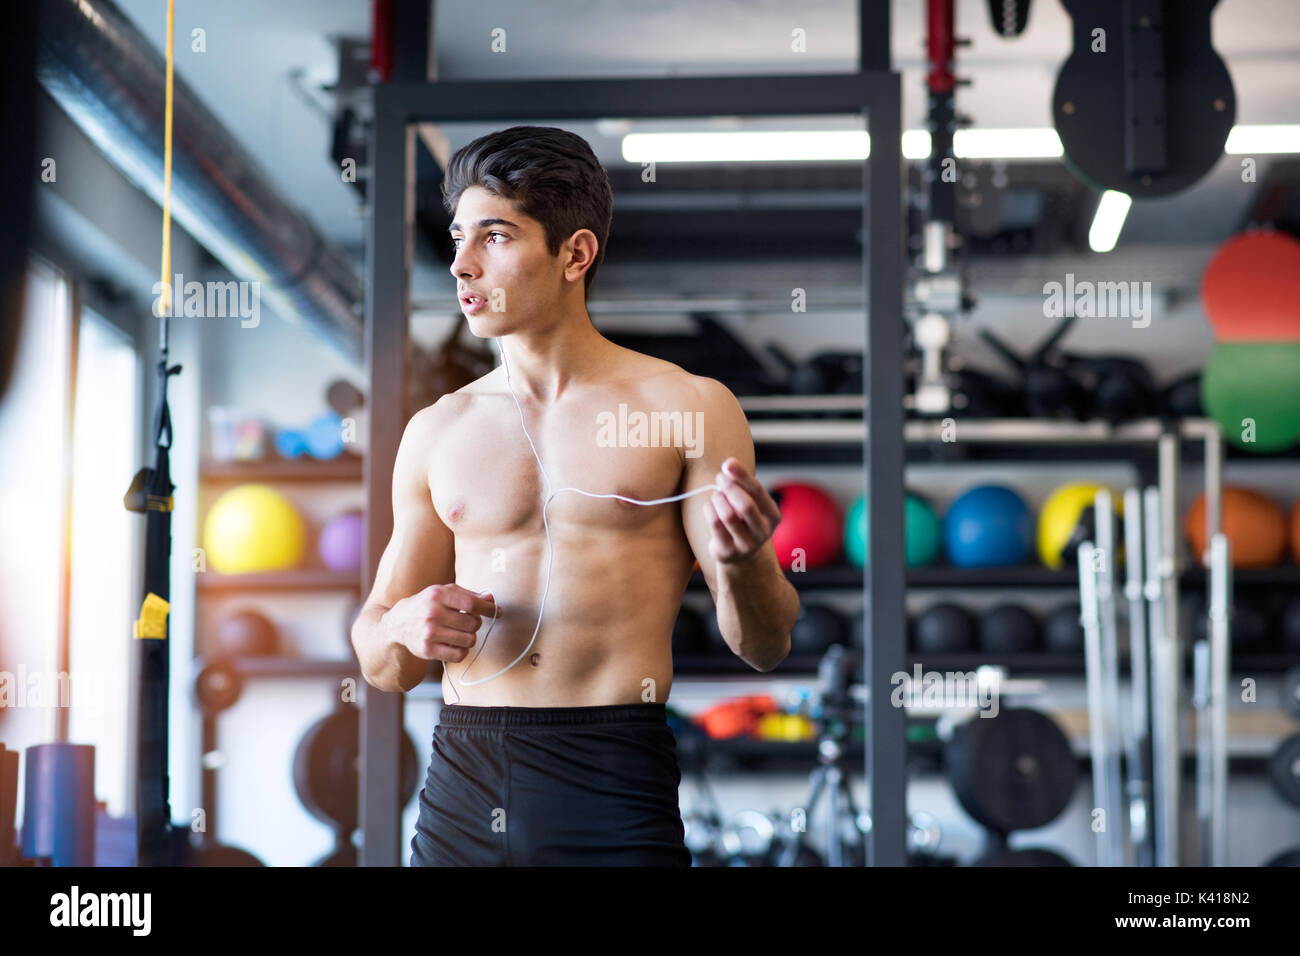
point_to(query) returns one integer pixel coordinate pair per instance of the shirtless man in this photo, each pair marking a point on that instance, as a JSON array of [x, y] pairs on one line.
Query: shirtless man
[[553, 746]]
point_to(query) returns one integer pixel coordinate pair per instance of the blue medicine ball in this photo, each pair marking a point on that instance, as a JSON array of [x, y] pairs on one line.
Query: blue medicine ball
[[987, 527]]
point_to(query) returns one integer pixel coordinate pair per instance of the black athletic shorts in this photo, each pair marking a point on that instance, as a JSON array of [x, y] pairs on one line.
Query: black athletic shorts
[[551, 786]]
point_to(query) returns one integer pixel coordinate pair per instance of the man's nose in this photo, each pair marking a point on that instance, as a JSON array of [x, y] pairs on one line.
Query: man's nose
[[460, 264]]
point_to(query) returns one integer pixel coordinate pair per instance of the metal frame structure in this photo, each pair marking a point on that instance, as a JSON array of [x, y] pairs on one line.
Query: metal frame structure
[[873, 92]]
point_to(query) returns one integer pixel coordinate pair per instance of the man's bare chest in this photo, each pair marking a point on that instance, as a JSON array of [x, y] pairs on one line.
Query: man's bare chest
[[485, 480]]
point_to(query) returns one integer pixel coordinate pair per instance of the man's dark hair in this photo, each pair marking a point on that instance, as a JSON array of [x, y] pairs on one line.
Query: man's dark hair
[[550, 174]]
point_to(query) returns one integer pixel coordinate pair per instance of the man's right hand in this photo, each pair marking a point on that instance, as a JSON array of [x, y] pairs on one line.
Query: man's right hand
[[441, 622]]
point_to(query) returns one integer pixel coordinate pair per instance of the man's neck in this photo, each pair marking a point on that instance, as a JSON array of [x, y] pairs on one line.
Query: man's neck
[[544, 364]]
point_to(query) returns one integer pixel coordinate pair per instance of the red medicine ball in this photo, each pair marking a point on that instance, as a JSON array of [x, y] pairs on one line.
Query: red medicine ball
[[812, 525]]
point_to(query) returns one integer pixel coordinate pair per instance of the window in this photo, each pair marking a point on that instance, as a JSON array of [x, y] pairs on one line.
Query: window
[[62, 523]]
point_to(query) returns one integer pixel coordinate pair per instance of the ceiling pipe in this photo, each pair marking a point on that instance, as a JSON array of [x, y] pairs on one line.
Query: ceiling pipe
[[110, 80]]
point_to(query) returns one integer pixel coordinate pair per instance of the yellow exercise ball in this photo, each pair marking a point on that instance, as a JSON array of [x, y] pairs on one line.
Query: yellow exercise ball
[[1066, 520], [253, 528]]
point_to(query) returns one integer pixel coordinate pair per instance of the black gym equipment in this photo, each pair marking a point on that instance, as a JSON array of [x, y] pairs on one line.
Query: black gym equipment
[[689, 634], [325, 769], [1062, 630], [945, 629], [1286, 858], [1181, 398], [1122, 388], [1149, 114], [827, 373], [977, 394], [1049, 385], [186, 848], [1248, 624], [1284, 769], [1009, 629], [835, 714], [1288, 624], [1290, 692], [815, 629], [1015, 771], [999, 854], [1010, 17]]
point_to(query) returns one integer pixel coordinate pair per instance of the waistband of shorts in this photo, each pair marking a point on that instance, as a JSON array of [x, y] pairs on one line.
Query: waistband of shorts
[[514, 718]]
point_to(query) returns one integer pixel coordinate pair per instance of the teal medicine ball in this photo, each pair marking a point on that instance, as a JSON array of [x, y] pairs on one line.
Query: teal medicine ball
[[922, 532]]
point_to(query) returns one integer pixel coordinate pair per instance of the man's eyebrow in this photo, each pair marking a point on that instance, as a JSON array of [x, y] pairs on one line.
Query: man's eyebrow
[[483, 223]]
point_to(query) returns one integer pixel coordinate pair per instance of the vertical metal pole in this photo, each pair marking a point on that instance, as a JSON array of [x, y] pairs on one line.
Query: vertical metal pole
[[1217, 687], [1213, 489], [1097, 741], [1139, 814], [390, 196], [1109, 662], [1165, 830], [884, 582]]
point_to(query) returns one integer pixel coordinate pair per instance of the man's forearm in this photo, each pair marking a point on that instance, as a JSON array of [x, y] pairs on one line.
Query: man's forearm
[[757, 607], [385, 664]]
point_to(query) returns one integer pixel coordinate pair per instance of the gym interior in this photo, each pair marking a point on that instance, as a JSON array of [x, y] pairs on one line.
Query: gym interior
[[1001, 287]]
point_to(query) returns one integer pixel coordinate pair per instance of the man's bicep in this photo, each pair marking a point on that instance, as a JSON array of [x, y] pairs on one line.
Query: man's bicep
[[726, 434], [422, 549]]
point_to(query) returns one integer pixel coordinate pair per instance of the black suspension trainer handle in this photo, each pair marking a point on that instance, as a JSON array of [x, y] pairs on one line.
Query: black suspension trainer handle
[[151, 494]]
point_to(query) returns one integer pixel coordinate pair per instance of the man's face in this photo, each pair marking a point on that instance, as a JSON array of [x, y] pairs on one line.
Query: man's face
[[501, 256]]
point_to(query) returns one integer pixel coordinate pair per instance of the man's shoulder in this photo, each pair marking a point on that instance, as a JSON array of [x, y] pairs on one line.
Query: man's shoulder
[[676, 385]]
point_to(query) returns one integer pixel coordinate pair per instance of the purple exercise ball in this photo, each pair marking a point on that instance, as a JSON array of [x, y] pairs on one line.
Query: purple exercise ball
[[341, 542]]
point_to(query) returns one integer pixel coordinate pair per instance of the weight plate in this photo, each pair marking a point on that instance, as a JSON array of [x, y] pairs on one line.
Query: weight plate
[[1015, 771], [1007, 857], [1284, 769], [1291, 692], [325, 768]]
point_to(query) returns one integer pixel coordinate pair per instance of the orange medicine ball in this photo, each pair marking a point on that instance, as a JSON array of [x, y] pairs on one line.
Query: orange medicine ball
[[1254, 524]]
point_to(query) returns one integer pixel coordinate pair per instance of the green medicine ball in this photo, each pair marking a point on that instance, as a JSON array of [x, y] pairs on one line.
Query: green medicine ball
[[921, 525], [1259, 383]]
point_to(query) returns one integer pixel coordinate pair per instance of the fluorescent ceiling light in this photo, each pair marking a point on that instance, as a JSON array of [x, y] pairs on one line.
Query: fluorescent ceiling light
[[746, 146], [1263, 139], [760, 146], [767, 146], [1007, 144], [1109, 220]]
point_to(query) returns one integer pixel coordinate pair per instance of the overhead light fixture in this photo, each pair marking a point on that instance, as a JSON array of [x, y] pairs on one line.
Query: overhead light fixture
[[818, 146], [1263, 139], [746, 146], [1109, 220], [812, 146]]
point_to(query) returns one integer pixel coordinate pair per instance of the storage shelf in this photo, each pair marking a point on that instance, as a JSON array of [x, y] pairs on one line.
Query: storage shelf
[[299, 580], [847, 577], [276, 470], [281, 666]]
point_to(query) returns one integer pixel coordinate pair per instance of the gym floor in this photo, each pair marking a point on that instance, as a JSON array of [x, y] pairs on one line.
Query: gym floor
[[1088, 307]]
